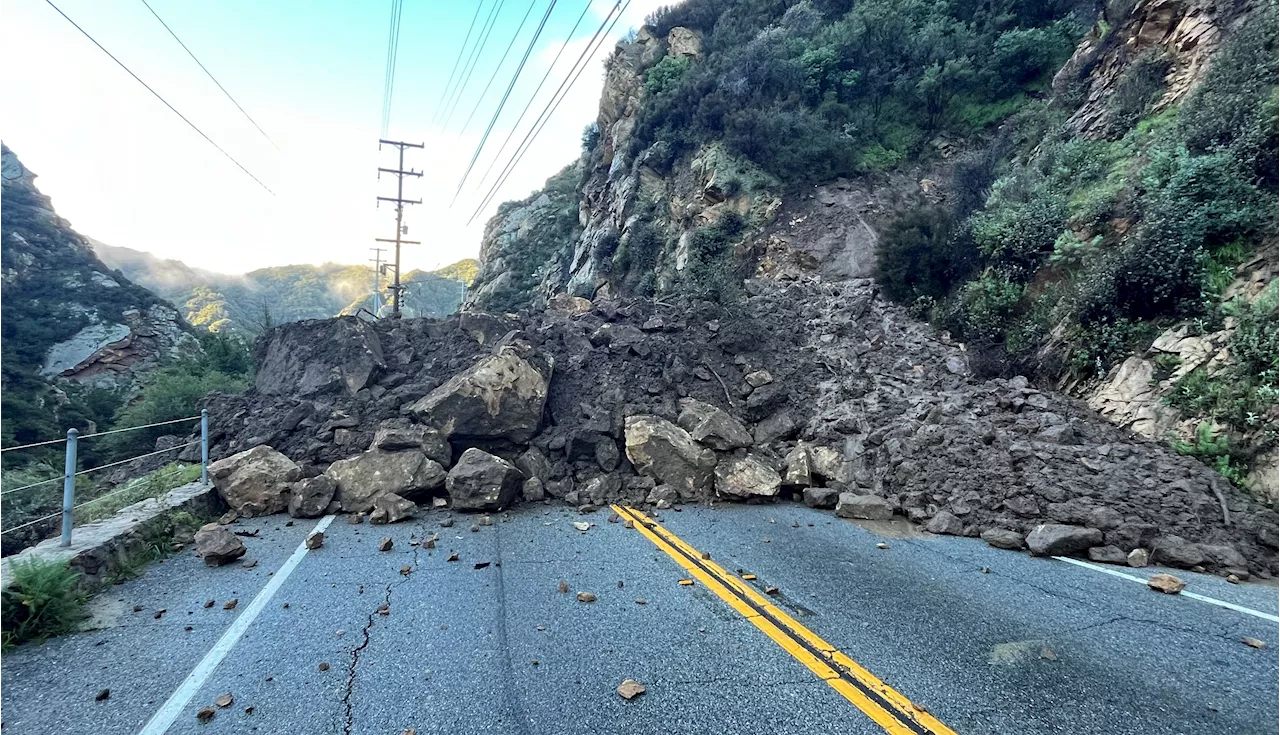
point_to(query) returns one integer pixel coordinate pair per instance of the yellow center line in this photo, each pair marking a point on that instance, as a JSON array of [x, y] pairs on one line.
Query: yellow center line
[[885, 706]]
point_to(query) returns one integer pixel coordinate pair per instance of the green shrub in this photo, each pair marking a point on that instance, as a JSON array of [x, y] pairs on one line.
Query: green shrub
[[44, 600], [710, 270], [1021, 223], [1100, 344], [1214, 451], [987, 307], [665, 74], [918, 257], [1137, 90], [151, 485]]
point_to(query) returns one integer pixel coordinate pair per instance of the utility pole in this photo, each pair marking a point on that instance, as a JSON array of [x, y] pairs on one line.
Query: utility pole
[[378, 273], [400, 201]]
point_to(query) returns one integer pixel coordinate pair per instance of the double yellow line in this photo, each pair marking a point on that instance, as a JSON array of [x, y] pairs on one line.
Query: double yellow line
[[886, 707]]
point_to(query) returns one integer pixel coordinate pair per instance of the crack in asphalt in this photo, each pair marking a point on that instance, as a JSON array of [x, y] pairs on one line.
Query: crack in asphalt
[[349, 721]]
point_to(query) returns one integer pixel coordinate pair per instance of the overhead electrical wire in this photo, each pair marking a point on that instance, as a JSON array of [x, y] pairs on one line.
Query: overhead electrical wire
[[505, 95], [162, 99], [210, 75], [552, 104], [393, 49], [456, 62], [534, 96], [510, 44], [471, 62]]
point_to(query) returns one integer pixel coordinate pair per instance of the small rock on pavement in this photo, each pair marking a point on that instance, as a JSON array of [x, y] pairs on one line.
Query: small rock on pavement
[[406, 569], [103, 695], [563, 586], [1253, 643], [582, 526], [315, 540], [205, 714], [1003, 538], [391, 508], [224, 700], [1166, 583], [209, 603], [218, 546], [231, 604], [586, 597], [630, 689], [882, 545], [385, 544], [323, 666], [1138, 558]]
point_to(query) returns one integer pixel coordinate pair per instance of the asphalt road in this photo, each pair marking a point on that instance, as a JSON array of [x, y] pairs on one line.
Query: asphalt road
[[984, 641]]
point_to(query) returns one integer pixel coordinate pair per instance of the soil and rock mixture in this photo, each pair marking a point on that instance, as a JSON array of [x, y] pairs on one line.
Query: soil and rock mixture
[[809, 390]]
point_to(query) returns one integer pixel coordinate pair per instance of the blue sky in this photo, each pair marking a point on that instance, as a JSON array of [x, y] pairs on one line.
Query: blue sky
[[125, 170]]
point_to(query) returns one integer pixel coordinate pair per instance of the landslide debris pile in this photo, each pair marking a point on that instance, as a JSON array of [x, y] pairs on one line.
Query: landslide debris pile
[[805, 389]]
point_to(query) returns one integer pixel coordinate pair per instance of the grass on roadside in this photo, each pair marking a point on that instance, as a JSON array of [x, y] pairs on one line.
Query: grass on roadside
[[172, 475], [44, 600]]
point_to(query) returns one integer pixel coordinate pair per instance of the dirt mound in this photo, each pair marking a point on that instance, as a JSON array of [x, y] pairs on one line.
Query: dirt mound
[[890, 403]]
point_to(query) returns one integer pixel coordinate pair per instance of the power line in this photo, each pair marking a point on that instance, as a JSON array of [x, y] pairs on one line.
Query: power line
[[545, 116], [210, 75], [393, 50], [503, 60], [162, 99], [461, 53], [538, 89], [471, 63], [505, 95]]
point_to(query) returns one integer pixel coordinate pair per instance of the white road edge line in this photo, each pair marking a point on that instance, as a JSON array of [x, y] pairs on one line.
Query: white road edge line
[[164, 717], [1184, 593]]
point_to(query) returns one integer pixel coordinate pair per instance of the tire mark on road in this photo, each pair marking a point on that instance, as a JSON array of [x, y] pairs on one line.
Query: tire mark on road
[[508, 671]]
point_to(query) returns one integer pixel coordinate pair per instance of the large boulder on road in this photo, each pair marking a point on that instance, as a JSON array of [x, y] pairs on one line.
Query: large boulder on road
[[218, 546], [500, 397], [746, 477], [864, 507], [481, 481], [396, 434], [309, 497], [361, 479], [255, 482], [1056, 539], [391, 508], [667, 453], [712, 426]]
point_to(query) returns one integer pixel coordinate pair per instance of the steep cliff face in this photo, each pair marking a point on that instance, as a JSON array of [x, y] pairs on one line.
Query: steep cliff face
[[70, 322]]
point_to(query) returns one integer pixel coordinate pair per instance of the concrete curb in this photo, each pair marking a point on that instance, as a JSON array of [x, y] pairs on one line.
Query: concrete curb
[[100, 547]]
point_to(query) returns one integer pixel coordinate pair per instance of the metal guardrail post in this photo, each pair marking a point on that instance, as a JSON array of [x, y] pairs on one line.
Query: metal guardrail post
[[204, 446], [69, 487]]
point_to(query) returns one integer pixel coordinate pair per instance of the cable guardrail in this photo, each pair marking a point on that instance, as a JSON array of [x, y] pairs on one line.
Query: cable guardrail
[[70, 473]]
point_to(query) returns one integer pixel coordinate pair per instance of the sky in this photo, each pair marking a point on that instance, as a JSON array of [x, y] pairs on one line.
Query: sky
[[127, 171]]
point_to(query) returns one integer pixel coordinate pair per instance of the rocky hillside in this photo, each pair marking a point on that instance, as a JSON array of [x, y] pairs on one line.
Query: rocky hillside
[[246, 304], [1082, 194], [72, 326]]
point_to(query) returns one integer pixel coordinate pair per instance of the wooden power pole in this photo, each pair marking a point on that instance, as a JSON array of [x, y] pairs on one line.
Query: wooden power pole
[[377, 278], [400, 201]]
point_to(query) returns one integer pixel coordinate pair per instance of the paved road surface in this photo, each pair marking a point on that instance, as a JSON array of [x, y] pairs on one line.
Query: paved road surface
[[1028, 646]]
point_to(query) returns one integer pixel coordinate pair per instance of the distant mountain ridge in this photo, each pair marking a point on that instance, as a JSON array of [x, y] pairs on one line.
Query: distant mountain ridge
[[250, 302]]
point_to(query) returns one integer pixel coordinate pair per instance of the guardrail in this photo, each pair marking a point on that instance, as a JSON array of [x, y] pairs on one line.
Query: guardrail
[[70, 473]]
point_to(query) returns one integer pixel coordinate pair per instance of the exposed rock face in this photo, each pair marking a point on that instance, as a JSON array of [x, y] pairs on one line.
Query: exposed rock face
[[666, 452], [218, 546], [481, 481], [746, 477], [363, 478], [309, 497], [711, 426], [255, 482], [501, 397]]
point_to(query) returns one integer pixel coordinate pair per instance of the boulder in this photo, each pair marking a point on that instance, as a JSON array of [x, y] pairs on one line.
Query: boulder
[[1221, 556], [1056, 539], [667, 453], [799, 468], [1003, 538], [1138, 558], [533, 489], [828, 464], [759, 378], [481, 481], [396, 434], [663, 496], [1175, 551], [310, 496], [500, 397], [1108, 555], [218, 546], [712, 426], [1166, 583], [946, 523], [865, 507], [683, 42], [255, 482], [390, 508], [361, 479], [821, 497], [746, 477]]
